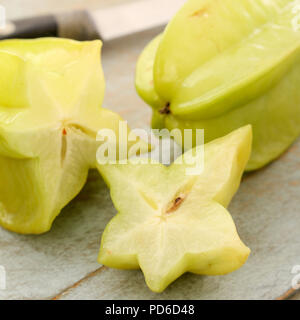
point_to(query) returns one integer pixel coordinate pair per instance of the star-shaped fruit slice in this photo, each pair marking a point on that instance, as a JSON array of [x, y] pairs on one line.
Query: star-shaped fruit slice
[[51, 91], [170, 222]]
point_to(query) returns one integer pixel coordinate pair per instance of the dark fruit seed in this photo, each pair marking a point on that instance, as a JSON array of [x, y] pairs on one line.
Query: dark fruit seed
[[166, 109]]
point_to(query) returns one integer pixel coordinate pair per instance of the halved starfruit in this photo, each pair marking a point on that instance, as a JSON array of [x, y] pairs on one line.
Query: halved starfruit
[[51, 91]]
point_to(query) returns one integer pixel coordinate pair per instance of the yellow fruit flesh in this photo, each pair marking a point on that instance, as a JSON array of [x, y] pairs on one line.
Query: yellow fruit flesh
[[51, 91], [170, 222]]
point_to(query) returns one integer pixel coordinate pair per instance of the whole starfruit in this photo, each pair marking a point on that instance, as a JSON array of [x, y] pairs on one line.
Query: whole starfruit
[[222, 64], [51, 92]]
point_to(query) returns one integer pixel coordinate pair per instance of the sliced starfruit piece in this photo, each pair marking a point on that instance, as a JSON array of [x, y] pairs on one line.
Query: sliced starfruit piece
[[51, 91], [170, 221], [224, 64]]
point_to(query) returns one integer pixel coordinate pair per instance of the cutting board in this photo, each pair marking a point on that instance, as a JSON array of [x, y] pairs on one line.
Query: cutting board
[[61, 264]]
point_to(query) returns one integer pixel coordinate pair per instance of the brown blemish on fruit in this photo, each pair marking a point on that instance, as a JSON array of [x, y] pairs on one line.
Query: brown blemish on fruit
[[176, 204], [63, 150], [166, 109], [199, 13], [181, 196]]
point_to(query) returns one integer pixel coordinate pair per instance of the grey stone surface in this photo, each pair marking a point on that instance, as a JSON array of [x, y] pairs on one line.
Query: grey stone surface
[[37, 267]]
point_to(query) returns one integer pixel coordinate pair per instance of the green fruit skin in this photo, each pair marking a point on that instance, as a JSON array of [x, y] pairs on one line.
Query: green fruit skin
[[201, 31], [275, 118], [273, 111]]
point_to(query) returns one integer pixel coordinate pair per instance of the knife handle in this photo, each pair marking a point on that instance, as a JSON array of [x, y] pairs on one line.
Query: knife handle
[[36, 27]]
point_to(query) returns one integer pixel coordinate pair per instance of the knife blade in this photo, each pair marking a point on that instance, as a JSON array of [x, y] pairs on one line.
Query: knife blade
[[107, 23]]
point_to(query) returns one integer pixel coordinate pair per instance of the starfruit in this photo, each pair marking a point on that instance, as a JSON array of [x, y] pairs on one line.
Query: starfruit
[[222, 64], [51, 91], [170, 221]]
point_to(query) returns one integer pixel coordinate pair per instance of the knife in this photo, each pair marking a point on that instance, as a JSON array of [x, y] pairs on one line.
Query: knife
[[107, 23]]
